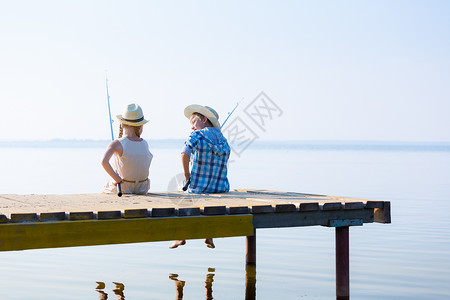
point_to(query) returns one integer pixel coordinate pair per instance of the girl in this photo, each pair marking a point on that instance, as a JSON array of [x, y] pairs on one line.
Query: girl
[[132, 156]]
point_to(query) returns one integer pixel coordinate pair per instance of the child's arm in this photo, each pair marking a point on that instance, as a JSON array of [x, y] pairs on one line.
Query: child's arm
[[185, 161], [115, 147]]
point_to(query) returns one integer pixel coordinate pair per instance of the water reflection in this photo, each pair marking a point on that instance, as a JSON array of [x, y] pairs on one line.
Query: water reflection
[[118, 290], [208, 285], [179, 284], [250, 285]]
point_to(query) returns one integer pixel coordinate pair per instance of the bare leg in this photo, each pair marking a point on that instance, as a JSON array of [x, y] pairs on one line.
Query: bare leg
[[177, 243], [209, 243]]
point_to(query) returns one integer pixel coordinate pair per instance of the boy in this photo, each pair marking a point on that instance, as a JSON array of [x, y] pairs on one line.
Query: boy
[[209, 151]]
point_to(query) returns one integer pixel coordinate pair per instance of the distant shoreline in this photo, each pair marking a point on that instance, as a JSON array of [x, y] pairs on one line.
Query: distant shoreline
[[256, 145]]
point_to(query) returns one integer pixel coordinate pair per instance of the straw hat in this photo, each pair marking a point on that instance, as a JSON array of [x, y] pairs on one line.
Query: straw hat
[[207, 111], [132, 116]]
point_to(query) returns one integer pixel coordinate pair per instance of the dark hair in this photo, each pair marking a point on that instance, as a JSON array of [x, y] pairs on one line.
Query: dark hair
[[201, 117]]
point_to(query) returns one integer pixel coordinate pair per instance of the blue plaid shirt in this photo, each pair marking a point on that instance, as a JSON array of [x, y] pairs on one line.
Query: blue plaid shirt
[[209, 151]]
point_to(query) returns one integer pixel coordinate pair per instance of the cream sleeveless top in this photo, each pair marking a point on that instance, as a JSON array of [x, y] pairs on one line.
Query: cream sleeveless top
[[133, 167]]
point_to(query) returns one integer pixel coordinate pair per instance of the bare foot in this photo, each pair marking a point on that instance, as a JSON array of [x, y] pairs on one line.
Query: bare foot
[[177, 243], [209, 243]]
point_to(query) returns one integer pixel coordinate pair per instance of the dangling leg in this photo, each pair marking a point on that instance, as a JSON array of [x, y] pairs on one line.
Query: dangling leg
[[177, 243], [209, 243]]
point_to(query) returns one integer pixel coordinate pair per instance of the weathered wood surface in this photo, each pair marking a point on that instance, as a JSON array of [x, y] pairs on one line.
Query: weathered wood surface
[[269, 208], [42, 221], [258, 201]]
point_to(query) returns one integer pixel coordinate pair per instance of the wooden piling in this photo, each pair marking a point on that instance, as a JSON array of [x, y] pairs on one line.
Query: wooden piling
[[251, 249], [250, 282], [342, 263]]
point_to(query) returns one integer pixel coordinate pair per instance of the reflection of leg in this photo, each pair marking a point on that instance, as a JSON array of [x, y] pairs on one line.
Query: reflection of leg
[[209, 243], [250, 282], [208, 284], [179, 285], [100, 285], [101, 294], [177, 243], [119, 290]]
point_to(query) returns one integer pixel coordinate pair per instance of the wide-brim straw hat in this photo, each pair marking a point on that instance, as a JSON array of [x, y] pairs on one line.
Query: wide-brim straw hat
[[207, 111], [132, 116]]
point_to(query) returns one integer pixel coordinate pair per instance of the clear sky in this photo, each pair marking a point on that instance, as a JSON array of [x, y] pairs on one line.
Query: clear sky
[[337, 70]]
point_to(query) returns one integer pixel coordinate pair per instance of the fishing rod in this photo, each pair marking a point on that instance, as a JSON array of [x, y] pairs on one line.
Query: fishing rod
[[185, 187], [237, 104], [119, 188], [109, 109]]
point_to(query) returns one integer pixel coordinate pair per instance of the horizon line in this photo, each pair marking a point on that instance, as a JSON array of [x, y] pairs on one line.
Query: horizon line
[[410, 142]]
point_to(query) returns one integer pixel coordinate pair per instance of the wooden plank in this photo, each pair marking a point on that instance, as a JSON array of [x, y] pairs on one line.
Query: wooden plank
[[52, 216], [78, 216], [311, 206], [189, 211], [310, 218], [103, 202], [3, 219], [107, 215], [163, 212], [25, 217], [238, 210], [262, 209], [275, 193], [281, 208], [20, 236], [214, 210], [374, 204], [332, 206], [135, 213], [354, 205]]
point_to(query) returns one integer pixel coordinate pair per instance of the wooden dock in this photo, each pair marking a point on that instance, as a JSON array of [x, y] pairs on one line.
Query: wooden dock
[[49, 221]]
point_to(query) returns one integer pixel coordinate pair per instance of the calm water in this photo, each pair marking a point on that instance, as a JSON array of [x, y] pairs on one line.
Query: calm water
[[408, 259]]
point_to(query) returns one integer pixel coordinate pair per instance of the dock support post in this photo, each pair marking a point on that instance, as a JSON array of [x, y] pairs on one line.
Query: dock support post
[[342, 263], [251, 249], [250, 282]]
